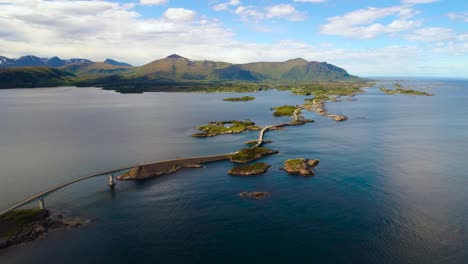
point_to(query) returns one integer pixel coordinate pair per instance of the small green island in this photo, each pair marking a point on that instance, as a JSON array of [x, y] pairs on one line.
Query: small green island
[[239, 99], [250, 154], [250, 170], [399, 89], [225, 127], [285, 110], [301, 166]]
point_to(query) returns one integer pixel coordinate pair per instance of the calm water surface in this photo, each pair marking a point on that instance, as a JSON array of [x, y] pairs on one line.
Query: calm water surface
[[390, 188]]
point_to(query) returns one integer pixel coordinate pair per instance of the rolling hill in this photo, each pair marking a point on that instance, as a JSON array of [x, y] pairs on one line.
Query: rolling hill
[[30, 77], [95, 68]]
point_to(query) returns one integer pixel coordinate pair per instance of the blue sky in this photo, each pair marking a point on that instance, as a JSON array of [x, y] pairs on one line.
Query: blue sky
[[368, 38]]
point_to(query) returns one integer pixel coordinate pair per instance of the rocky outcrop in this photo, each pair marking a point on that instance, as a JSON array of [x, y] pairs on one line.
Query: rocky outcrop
[[247, 155], [339, 118], [148, 171], [225, 127], [254, 195], [21, 226], [144, 172], [250, 170], [254, 142], [302, 167]]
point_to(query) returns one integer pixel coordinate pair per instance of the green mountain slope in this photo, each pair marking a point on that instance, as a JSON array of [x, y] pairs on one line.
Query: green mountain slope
[[234, 73], [95, 68], [178, 68], [175, 67], [299, 70], [30, 77]]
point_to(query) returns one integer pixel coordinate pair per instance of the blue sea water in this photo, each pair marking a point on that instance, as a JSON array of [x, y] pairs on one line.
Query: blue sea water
[[391, 186]]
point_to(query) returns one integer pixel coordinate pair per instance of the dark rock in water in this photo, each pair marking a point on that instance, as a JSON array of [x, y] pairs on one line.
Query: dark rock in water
[[303, 167], [254, 195], [313, 162], [193, 165], [340, 118]]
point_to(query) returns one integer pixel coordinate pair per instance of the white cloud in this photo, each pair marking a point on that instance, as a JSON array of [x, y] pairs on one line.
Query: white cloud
[[153, 2], [249, 13], [68, 29], [179, 14], [225, 6], [310, 1], [285, 11], [253, 13], [361, 23], [458, 16], [418, 1], [432, 34]]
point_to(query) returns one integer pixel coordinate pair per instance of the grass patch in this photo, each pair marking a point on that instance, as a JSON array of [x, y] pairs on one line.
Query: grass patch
[[225, 127], [13, 222], [239, 99], [400, 90], [249, 154], [294, 164], [253, 169], [285, 110]]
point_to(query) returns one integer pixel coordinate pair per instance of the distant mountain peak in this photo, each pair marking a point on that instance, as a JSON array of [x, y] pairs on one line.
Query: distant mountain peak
[[299, 60], [175, 56], [117, 63]]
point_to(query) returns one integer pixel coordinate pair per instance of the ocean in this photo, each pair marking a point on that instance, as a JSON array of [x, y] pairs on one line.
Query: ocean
[[390, 186]]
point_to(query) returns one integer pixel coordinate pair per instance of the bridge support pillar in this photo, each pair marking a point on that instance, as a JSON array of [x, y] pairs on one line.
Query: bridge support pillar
[[41, 204], [111, 181]]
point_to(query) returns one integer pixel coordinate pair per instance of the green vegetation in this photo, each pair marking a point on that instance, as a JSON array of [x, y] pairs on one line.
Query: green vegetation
[[285, 110], [254, 142], [30, 77], [298, 70], [325, 89], [403, 91], [253, 169], [95, 69], [225, 127], [294, 164], [303, 167], [250, 154], [175, 73], [239, 99], [14, 222]]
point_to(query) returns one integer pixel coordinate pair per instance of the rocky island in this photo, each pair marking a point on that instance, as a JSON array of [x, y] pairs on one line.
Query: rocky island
[[250, 154], [404, 91], [254, 195], [285, 110], [239, 99], [225, 127], [303, 167], [249, 170], [25, 225]]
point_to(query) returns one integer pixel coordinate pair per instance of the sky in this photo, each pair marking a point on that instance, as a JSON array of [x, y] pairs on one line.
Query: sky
[[367, 38]]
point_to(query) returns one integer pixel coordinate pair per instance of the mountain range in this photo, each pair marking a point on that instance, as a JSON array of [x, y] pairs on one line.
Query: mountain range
[[29, 60], [172, 69], [176, 67]]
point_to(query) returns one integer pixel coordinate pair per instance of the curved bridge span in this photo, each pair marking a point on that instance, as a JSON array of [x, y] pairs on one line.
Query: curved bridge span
[[110, 173], [146, 169]]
